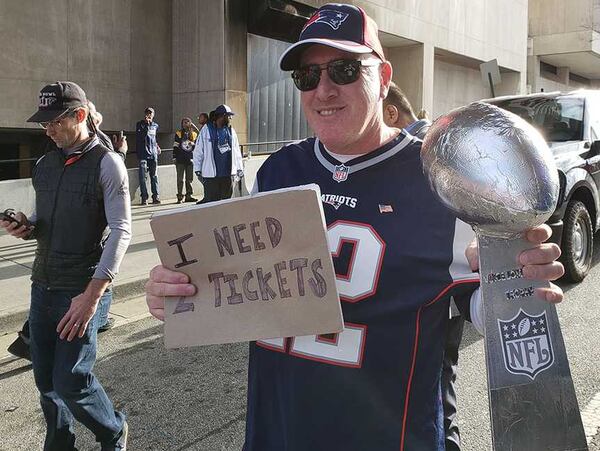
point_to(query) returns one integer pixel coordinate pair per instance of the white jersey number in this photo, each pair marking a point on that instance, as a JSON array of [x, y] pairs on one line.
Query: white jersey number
[[347, 347]]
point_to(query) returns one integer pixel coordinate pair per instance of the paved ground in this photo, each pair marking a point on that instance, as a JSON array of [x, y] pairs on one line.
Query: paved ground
[[194, 399]]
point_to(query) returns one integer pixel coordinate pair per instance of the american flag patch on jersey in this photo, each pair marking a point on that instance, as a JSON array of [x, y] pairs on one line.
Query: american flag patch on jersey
[[385, 209]]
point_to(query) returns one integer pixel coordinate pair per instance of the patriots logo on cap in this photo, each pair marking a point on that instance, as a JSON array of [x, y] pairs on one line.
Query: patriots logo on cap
[[329, 16]]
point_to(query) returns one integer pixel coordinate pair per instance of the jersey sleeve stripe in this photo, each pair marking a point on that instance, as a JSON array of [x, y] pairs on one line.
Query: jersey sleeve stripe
[[455, 284], [410, 377]]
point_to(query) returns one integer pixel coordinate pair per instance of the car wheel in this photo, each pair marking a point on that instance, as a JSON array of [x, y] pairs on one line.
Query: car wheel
[[577, 242]]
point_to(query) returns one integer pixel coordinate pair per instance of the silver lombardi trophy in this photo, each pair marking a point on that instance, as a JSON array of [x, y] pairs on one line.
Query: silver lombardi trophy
[[495, 171]]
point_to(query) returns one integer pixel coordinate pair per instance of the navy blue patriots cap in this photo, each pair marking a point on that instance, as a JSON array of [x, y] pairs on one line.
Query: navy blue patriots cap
[[344, 27], [57, 99]]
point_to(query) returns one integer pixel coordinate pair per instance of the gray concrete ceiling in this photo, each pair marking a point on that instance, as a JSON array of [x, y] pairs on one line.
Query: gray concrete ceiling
[[586, 64]]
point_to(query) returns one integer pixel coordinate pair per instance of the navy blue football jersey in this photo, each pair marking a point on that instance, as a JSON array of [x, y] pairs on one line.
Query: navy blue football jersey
[[398, 260]]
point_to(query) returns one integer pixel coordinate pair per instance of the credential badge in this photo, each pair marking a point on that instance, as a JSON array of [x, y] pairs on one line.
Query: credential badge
[[526, 344], [340, 173]]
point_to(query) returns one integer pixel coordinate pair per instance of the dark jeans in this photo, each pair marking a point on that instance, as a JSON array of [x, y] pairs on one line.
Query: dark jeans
[[104, 308], [148, 167], [449, 371], [63, 374], [186, 169], [217, 188]]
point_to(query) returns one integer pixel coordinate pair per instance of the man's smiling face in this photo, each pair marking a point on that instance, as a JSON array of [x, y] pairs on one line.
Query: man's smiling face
[[340, 115]]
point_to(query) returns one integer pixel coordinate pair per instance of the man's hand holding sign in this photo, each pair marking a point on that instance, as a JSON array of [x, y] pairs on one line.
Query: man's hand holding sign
[[261, 266]]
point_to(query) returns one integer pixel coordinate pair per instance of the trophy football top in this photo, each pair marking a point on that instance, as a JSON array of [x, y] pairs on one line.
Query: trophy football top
[[492, 168]]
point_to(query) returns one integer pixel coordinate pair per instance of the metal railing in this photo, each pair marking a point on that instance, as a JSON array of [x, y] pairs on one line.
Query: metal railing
[[274, 146], [248, 149], [18, 160]]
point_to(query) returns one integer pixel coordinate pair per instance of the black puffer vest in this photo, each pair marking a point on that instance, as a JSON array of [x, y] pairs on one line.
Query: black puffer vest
[[70, 218]]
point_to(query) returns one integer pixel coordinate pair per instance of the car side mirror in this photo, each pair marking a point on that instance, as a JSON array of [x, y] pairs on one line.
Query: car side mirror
[[595, 148]]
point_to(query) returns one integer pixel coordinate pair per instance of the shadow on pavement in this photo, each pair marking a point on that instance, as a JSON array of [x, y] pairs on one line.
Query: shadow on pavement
[[193, 398]]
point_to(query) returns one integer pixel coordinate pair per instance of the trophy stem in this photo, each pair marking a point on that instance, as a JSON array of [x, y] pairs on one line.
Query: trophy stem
[[532, 399]]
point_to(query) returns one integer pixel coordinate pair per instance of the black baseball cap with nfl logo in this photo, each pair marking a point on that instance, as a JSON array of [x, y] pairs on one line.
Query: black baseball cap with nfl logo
[[56, 99], [344, 27]]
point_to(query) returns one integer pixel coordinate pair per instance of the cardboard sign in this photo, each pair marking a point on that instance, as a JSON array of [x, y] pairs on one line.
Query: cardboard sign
[[261, 264]]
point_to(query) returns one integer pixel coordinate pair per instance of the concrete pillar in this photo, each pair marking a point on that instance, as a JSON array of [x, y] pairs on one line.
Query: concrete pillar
[[413, 73], [563, 75], [209, 59], [236, 64], [533, 73], [428, 75]]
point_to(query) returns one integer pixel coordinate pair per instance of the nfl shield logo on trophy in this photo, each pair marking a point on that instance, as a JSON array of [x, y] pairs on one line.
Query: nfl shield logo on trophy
[[526, 344], [340, 173]]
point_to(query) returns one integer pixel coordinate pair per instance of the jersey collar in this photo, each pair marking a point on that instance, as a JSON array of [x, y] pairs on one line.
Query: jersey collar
[[341, 171]]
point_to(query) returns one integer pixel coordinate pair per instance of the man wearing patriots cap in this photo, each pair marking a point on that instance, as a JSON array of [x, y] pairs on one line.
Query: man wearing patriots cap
[[376, 385]]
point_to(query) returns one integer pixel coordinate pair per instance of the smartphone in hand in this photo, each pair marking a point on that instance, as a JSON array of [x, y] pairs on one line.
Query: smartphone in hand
[[9, 215]]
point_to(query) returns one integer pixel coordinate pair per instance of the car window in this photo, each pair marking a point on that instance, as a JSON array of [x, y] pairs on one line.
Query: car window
[[557, 118]]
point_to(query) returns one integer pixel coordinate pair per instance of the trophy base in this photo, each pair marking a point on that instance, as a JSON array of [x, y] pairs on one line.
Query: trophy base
[[532, 399]]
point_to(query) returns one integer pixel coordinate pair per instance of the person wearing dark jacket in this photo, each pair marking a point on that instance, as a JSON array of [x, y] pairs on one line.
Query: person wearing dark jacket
[[183, 148], [81, 196], [148, 151], [398, 112]]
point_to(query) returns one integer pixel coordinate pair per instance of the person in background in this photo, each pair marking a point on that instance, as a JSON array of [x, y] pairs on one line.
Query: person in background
[[423, 114], [118, 143], [202, 120], [183, 147], [398, 112], [81, 193], [217, 156], [148, 151]]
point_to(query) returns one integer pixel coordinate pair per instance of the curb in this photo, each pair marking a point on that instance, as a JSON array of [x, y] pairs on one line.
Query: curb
[[13, 321]]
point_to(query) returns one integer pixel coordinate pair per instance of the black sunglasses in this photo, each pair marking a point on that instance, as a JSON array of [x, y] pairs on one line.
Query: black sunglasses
[[341, 72]]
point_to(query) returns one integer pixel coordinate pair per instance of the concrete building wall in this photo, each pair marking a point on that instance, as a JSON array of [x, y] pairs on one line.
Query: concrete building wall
[[408, 63], [119, 51], [483, 29], [564, 35], [474, 31], [456, 85], [209, 59], [547, 17], [187, 56]]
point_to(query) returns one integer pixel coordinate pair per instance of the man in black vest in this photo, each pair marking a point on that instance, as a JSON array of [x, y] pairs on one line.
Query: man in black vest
[[82, 193]]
